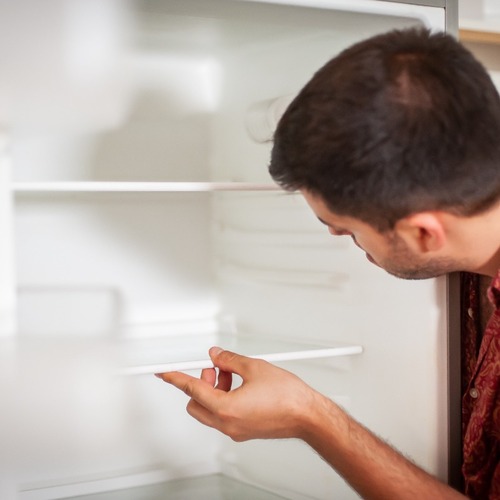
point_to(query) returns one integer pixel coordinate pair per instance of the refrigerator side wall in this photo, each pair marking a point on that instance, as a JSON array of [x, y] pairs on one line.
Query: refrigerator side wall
[[398, 386]]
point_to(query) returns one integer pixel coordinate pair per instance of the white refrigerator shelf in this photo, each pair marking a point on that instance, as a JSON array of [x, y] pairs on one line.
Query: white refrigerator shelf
[[137, 187], [212, 487], [190, 352]]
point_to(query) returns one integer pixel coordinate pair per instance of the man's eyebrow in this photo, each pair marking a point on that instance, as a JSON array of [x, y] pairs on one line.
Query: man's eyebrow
[[335, 228]]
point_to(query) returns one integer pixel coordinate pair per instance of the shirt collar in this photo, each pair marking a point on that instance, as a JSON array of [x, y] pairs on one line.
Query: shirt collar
[[494, 291]]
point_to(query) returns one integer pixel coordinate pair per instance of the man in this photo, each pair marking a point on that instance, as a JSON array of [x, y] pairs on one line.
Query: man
[[396, 143]]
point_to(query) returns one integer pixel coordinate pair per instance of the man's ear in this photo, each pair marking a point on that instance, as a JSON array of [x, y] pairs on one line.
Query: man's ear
[[423, 232]]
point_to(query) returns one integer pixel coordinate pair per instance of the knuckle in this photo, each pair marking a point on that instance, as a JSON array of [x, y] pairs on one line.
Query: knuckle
[[227, 356], [227, 415], [190, 407], [237, 438], [261, 364], [188, 388], [231, 424]]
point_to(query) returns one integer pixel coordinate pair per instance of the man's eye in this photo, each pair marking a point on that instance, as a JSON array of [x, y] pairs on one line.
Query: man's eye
[[336, 231]]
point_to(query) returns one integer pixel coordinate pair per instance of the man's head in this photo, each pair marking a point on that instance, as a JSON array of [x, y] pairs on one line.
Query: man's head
[[399, 124]]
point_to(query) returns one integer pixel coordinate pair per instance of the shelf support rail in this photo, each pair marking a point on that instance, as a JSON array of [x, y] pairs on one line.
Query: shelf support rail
[[7, 267]]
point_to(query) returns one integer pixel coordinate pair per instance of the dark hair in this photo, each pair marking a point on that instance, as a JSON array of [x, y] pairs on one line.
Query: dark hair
[[399, 123]]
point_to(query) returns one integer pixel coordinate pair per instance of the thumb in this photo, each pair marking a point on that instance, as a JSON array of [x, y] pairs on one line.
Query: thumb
[[230, 361]]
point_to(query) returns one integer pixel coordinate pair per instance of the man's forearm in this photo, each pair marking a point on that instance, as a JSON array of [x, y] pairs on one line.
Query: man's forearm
[[372, 467]]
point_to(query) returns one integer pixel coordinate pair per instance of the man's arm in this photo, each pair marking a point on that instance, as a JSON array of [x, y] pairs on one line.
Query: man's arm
[[274, 403]]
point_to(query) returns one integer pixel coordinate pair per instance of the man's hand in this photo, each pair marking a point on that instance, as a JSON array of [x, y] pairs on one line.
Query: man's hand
[[270, 403], [273, 403]]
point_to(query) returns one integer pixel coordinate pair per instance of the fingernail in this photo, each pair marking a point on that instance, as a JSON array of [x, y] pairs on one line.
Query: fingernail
[[216, 350], [158, 375]]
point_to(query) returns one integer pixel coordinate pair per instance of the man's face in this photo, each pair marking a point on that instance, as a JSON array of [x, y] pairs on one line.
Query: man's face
[[386, 250]]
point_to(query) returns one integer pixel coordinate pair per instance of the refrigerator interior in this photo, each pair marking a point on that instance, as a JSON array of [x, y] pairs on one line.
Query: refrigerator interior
[[146, 228]]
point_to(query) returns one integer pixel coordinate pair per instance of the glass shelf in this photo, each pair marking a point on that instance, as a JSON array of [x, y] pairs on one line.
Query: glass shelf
[[138, 187], [213, 487], [190, 352]]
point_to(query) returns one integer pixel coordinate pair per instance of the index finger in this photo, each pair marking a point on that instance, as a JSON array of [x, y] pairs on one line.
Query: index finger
[[197, 389]]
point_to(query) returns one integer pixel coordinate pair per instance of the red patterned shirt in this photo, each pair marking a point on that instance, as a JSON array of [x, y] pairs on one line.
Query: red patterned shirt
[[481, 411]]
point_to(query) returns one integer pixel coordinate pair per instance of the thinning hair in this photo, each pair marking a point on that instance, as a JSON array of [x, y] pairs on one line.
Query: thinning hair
[[402, 122]]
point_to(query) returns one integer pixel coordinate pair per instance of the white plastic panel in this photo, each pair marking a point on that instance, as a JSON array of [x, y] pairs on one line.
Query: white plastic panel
[[135, 250], [171, 263], [54, 75]]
